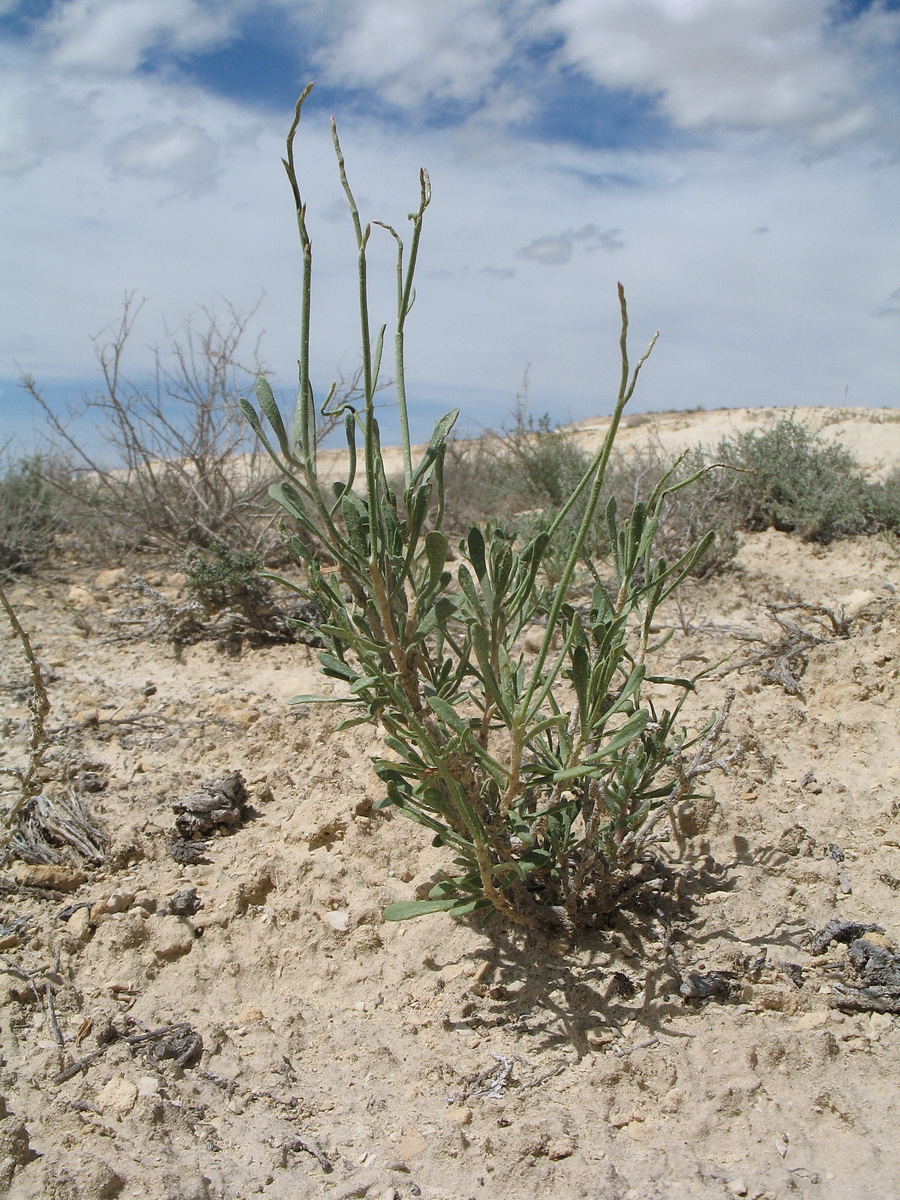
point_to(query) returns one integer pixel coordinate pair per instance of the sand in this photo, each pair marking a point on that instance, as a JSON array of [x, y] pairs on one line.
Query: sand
[[340, 1056]]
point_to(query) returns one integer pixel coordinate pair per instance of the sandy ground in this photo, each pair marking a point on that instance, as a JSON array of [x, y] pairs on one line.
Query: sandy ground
[[339, 1056], [871, 434]]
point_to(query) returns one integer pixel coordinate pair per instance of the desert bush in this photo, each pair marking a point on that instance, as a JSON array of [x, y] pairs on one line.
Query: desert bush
[[544, 773], [790, 478], [886, 496], [33, 510], [227, 579], [529, 467], [526, 487], [176, 467]]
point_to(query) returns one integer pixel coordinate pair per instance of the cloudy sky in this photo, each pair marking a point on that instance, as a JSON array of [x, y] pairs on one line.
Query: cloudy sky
[[733, 162]]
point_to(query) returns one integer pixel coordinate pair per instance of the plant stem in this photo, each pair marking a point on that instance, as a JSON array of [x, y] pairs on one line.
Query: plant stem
[[40, 708], [305, 417], [596, 471]]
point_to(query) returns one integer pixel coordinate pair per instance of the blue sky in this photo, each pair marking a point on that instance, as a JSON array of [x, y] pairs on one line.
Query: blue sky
[[734, 162]]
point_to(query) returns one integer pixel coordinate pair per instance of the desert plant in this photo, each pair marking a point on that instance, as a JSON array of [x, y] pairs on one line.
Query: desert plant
[[27, 779], [792, 479], [544, 462], [686, 513], [886, 495], [228, 579], [176, 467], [32, 510], [544, 774]]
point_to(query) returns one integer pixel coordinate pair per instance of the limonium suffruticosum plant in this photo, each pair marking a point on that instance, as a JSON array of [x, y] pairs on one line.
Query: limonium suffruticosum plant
[[543, 773]]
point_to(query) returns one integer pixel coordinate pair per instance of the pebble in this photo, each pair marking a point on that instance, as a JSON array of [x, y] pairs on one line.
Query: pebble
[[79, 926], [338, 920], [738, 1187], [172, 939], [111, 578], [116, 902], [879, 939], [59, 879], [119, 1095], [460, 1116]]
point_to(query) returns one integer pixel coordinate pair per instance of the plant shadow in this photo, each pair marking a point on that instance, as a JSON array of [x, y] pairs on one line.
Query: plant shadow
[[625, 981]]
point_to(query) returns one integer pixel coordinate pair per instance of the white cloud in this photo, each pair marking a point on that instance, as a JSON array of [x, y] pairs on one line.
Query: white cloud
[[789, 317], [113, 36], [746, 65], [410, 51], [173, 152], [892, 308], [558, 250], [39, 120]]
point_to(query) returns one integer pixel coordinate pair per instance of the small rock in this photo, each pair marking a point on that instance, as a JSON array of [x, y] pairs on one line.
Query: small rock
[[79, 926], [184, 903], [116, 902], [59, 879], [338, 920], [111, 578], [172, 938], [119, 1095], [738, 1187], [460, 1116], [147, 1085], [411, 1144]]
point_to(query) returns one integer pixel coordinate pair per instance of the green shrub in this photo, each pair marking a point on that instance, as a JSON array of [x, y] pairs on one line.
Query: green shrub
[[789, 478], [544, 774], [887, 501], [225, 579], [32, 511], [524, 488]]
